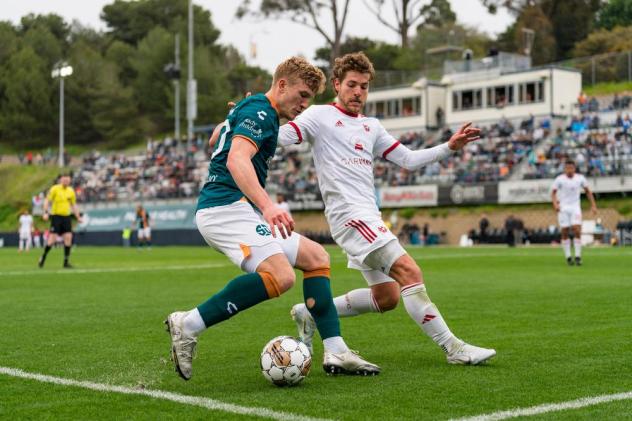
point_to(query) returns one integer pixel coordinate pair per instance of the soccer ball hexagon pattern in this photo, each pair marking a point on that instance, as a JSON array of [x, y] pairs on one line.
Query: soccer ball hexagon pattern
[[285, 361]]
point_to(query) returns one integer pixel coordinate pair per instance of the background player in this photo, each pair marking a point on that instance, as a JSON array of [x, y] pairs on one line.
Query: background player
[[565, 195], [144, 227], [345, 144], [63, 201], [25, 231], [236, 216]]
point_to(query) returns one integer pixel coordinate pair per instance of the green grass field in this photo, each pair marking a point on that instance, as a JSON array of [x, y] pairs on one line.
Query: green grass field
[[561, 333]]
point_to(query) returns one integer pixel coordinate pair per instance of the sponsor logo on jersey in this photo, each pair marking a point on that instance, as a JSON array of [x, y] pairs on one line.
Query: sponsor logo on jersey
[[261, 115], [339, 124], [356, 161], [263, 230], [253, 127]]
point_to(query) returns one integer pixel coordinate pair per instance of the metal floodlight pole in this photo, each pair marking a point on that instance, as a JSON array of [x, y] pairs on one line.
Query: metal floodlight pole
[[61, 122], [191, 85], [61, 70], [176, 83]]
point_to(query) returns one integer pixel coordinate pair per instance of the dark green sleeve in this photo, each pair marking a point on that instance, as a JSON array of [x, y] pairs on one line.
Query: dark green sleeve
[[254, 124]]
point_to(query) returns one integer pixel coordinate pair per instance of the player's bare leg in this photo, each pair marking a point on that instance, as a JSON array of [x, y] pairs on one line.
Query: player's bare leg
[[421, 309]]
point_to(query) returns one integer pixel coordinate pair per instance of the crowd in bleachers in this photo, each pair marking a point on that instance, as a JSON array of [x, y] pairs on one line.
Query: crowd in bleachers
[[167, 169]]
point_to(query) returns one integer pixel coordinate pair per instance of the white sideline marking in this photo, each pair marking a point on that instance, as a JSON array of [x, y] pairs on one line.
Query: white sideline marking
[[549, 407], [159, 394], [110, 270]]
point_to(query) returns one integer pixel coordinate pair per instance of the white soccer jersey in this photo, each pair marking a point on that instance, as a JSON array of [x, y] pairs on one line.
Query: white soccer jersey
[[344, 146], [26, 225], [569, 190]]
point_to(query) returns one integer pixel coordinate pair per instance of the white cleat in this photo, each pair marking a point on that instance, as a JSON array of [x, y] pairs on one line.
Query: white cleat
[[348, 363], [467, 354], [182, 344], [305, 325]]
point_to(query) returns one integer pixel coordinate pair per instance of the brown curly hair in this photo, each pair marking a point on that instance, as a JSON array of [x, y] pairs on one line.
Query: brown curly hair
[[352, 62], [298, 68]]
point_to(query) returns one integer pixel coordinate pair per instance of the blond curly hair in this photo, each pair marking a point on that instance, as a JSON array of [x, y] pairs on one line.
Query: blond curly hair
[[297, 68]]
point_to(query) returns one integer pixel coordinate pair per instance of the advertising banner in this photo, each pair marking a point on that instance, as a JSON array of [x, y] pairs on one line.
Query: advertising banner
[[407, 196]]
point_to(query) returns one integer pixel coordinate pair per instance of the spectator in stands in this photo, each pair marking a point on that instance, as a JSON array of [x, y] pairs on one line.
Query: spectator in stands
[[593, 105], [483, 226], [280, 198], [510, 226], [582, 100], [616, 102], [439, 114]]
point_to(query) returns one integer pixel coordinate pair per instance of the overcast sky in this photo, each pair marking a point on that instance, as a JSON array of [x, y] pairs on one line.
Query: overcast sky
[[275, 40]]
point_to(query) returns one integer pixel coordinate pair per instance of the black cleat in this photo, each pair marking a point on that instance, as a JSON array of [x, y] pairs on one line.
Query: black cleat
[[40, 262], [578, 261], [67, 266], [569, 260]]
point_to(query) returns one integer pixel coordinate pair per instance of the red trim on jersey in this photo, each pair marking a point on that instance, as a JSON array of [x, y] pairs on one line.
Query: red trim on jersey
[[342, 110], [361, 222], [362, 232], [390, 149], [298, 131]]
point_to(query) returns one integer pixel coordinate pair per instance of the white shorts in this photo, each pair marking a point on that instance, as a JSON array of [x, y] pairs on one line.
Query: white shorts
[[241, 233], [364, 241], [26, 235], [568, 217], [144, 233]]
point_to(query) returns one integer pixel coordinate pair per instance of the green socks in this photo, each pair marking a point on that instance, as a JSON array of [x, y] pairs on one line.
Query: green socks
[[320, 303], [238, 295]]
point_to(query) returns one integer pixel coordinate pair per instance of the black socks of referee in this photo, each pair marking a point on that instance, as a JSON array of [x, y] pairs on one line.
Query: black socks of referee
[[66, 254], [46, 250]]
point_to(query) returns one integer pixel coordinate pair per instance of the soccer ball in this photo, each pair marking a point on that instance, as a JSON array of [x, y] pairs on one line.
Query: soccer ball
[[285, 361]]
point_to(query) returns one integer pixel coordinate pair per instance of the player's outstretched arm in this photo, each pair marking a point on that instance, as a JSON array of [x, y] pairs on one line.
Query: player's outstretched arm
[[556, 203], [591, 197], [240, 166], [413, 160]]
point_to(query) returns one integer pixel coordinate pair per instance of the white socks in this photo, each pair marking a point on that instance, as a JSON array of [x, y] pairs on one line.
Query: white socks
[[193, 322], [427, 316], [356, 302], [335, 344], [577, 243], [566, 245]]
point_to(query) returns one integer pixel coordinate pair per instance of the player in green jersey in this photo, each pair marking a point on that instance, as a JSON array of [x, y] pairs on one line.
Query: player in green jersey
[[236, 216]]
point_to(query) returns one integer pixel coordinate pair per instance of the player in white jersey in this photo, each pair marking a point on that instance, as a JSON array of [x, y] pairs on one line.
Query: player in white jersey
[[345, 144], [565, 194], [25, 231]]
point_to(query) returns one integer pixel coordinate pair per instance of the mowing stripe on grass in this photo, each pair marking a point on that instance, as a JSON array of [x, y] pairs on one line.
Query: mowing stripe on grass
[[159, 394], [549, 407], [109, 270]]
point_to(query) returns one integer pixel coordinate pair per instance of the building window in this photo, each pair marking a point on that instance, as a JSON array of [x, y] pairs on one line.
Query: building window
[[370, 109], [531, 92], [467, 100], [500, 96], [411, 106], [379, 109], [393, 108]]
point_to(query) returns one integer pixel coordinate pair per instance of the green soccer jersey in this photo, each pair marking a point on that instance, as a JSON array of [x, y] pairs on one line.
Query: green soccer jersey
[[255, 119]]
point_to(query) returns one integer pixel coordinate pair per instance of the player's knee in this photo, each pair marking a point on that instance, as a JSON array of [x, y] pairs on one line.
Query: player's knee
[[387, 301], [278, 280], [316, 258]]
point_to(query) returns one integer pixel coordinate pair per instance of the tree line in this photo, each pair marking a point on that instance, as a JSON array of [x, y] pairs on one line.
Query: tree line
[[120, 93]]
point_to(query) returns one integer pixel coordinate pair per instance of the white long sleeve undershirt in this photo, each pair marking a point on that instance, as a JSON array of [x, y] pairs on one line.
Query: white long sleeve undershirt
[[413, 160]]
